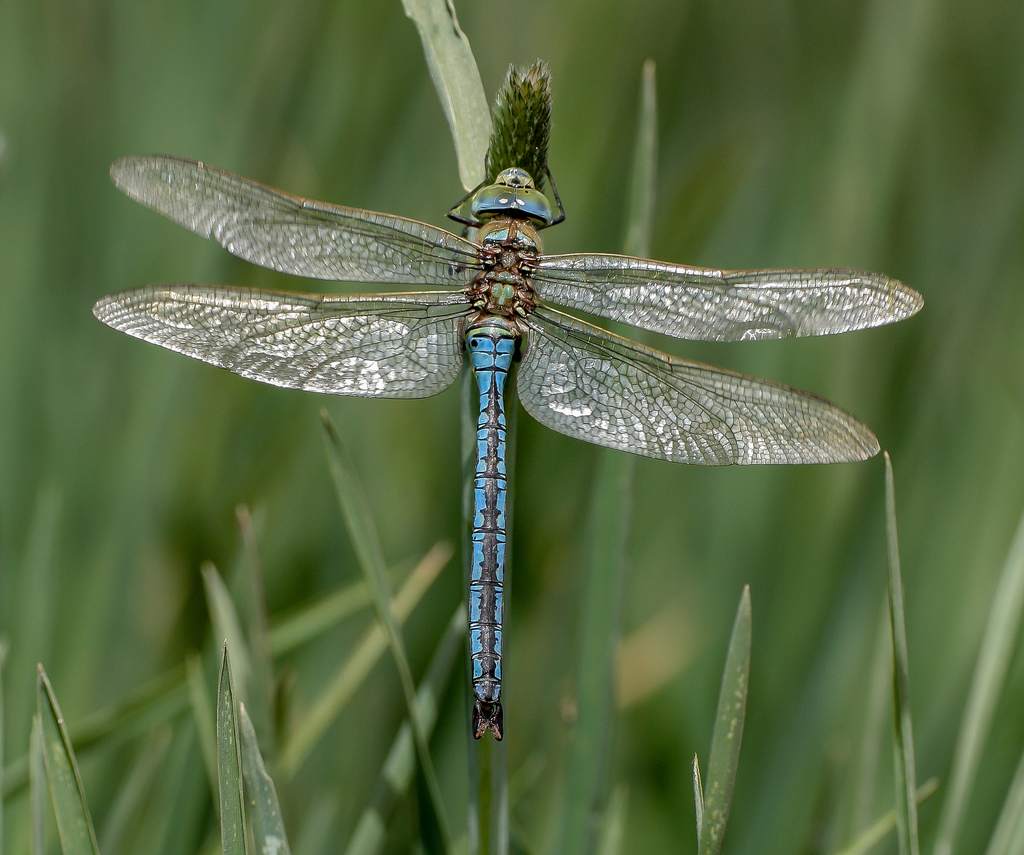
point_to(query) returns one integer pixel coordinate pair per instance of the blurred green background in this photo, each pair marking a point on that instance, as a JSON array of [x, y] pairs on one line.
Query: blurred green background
[[886, 135]]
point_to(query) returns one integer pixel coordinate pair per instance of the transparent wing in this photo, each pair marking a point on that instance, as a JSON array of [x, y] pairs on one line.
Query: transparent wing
[[384, 346], [715, 305], [593, 385], [293, 235]]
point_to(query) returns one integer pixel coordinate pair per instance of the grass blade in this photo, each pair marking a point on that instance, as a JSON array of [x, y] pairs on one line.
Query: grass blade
[[371, 559], [180, 800], [31, 627], [1008, 836], [359, 523], [166, 696], [227, 628], [640, 205], [457, 81], [206, 719], [397, 772], [698, 798], [610, 520], [614, 822], [295, 629], [3, 656], [997, 646], [134, 789], [264, 810], [155, 701], [315, 837], [254, 613], [351, 673], [728, 732], [37, 786], [587, 768], [233, 839], [307, 623], [74, 825], [886, 823], [865, 774], [903, 746]]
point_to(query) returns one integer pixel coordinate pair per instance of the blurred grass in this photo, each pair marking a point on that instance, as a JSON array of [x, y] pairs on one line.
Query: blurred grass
[[997, 647], [904, 765], [38, 787], [363, 531], [586, 807], [800, 135]]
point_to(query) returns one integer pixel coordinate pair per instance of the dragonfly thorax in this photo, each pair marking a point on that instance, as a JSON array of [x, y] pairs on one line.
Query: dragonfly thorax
[[504, 286]]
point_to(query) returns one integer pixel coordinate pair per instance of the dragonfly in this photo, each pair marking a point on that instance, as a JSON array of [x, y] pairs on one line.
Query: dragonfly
[[492, 305]]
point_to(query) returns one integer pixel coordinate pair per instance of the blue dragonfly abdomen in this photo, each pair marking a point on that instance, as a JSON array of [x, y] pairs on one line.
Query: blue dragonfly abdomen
[[491, 345]]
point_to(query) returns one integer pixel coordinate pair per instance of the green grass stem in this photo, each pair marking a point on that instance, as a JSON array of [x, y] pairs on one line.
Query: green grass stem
[[205, 717], [37, 786], [903, 744], [157, 700], [644, 173], [264, 810], [351, 673], [167, 695], [610, 520], [253, 612], [400, 764], [871, 835], [233, 838], [295, 629], [727, 736], [698, 798], [600, 617], [1008, 835], [314, 835], [227, 628], [181, 798], [32, 623], [613, 827], [74, 824], [875, 730], [291, 631], [366, 543], [997, 648], [3, 657], [134, 790], [457, 81]]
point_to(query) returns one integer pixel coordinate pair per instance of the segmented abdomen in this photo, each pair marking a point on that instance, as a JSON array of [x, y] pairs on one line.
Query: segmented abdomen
[[491, 349]]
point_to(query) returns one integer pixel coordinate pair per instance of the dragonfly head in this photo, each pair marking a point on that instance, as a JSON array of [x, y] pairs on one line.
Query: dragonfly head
[[513, 194]]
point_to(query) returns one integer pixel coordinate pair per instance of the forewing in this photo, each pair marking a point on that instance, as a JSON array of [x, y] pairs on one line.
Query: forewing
[[387, 346], [716, 305], [592, 385], [294, 235]]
